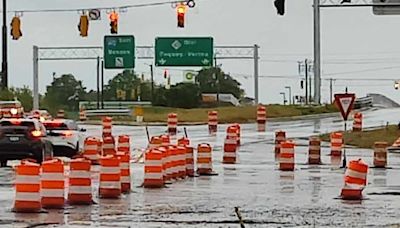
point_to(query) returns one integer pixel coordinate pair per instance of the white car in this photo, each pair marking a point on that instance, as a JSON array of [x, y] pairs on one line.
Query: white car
[[65, 136]]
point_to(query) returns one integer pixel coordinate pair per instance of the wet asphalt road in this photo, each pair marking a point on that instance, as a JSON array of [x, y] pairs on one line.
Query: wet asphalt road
[[267, 197]]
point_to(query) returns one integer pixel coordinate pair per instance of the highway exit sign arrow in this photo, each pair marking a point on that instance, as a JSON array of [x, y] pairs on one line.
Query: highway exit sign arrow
[[184, 51], [344, 102]]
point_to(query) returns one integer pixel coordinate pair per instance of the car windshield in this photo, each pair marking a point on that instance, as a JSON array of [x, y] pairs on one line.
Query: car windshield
[[5, 123], [56, 126]]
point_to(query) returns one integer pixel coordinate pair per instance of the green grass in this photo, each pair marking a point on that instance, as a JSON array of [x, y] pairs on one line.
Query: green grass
[[366, 139]]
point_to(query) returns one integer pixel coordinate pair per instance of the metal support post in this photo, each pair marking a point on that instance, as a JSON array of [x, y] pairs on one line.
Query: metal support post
[[256, 47], [4, 64], [35, 77], [98, 83], [306, 81], [102, 84], [317, 53], [152, 83]]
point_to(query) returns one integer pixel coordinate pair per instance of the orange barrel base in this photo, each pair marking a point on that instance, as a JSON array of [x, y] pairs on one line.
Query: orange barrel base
[[228, 160], [286, 167], [50, 202], [27, 207], [109, 193], [336, 153], [80, 199], [351, 194], [203, 171]]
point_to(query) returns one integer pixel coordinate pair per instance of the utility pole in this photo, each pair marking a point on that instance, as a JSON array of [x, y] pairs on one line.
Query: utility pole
[[216, 77], [152, 82], [306, 81], [4, 64], [256, 99], [98, 82], [331, 89], [317, 53]]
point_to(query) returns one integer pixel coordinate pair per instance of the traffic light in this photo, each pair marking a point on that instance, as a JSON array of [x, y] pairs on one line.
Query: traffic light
[[83, 25], [280, 6], [180, 11], [114, 22], [16, 28]]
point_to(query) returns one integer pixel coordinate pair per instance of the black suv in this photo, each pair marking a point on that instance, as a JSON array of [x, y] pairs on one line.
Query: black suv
[[23, 138]]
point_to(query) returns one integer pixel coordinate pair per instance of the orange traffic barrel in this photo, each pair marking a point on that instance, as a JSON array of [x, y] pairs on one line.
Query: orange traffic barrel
[[91, 149], [80, 183], [314, 151], [172, 123], [124, 159], [153, 169], [357, 122], [336, 143], [52, 184], [380, 154], [82, 114], [27, 187], [60, 114], [110, 177], [355, 180], [164, 160], [204, 159], [181, 161], [173, 162], [165, 140], [212, 122], [230, 146], [261, 118], [189, 161], [155, 141], [108, 145], [183, 141], [280, 136], [124, 144], [286, 156], [107, 126], [238, 133]]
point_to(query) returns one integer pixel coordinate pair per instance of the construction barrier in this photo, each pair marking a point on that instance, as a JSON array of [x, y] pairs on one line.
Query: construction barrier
[[124, 144], [261, 118], [107, 126], [230, 146], [82, 114], [52, 182], [380, 154], [204, 159], [286, 156], [181, 161], [355, 180], [27, 187], [91, 149], [153, 169], [238, 133], [165, 160], [336, 143], [189, 162], [173, 159], [60, 114], [314, 151], [165, 140], [155, 141], [212, 122], [280, 136], [110, 177], [357, 123], [108, 146], [172, 123], [183, 141], [80, 183], [124, 159]]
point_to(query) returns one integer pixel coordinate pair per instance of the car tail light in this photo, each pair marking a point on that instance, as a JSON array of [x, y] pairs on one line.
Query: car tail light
[[36, 133]]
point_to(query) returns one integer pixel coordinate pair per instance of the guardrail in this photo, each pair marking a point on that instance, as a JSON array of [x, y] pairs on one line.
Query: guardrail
[[109, 112], [363, 102], [113, 104]]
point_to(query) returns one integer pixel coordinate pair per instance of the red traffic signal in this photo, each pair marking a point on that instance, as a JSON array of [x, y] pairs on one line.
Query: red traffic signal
[[181, 10], [114, 22]]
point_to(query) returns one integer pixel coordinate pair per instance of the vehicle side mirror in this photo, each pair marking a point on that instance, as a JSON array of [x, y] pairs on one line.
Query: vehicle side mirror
[[82, 130]]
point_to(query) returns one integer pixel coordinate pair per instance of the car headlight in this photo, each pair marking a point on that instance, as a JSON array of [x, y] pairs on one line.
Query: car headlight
[[14, 111]]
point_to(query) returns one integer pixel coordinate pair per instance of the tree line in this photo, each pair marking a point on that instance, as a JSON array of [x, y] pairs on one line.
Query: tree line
[[66, 91]]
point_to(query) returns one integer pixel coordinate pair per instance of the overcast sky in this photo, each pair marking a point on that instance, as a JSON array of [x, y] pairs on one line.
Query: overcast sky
[[355, 43]]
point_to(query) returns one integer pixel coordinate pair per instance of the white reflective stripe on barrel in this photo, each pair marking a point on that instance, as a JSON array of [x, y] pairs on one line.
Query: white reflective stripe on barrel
[[286, 160], [204, 154], [110, 184], [230, 154], [355, 174], [52, 177], [153, 176], [27, 179], [79, 174], [109, 170], [80, 190], [27, 196], [52, 192]]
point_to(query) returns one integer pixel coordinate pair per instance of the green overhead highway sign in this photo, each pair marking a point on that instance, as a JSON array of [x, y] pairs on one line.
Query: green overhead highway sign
[[119, 52], [184, 51]]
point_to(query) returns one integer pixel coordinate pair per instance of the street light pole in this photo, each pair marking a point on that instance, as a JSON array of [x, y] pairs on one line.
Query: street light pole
[[152, 83], [290, 93], [284, 97], [4, 70]]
